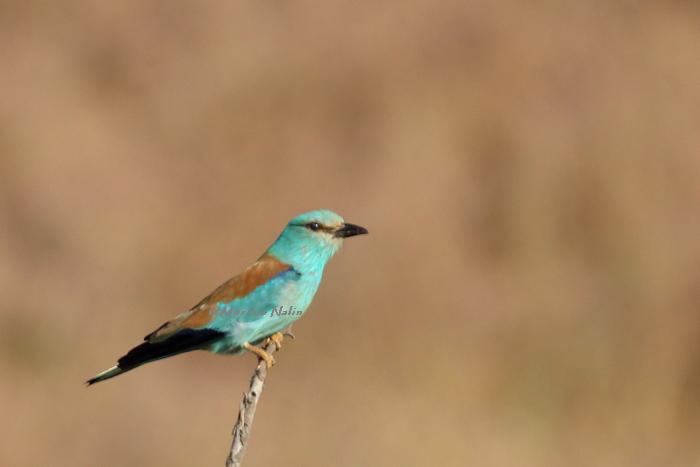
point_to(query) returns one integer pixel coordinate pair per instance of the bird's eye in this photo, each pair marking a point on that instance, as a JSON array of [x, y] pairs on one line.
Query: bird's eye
[[313, 226]]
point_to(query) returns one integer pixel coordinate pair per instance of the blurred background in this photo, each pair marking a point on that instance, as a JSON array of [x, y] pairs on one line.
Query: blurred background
[[529, 173]]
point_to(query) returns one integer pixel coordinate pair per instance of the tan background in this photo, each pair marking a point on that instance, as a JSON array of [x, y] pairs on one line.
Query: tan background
[[529, 172]]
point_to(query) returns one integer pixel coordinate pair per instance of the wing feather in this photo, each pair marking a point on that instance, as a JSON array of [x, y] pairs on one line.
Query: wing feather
[[199, 316]]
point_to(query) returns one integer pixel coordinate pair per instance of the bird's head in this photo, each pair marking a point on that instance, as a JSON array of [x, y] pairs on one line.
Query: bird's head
[[311, 239]]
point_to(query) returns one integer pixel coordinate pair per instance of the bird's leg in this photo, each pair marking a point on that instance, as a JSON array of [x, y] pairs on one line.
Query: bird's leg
[[261, 353], [277, 338]]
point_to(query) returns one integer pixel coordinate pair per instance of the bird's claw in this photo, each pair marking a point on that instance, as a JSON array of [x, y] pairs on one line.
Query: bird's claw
[[277, 338], [261, 353]]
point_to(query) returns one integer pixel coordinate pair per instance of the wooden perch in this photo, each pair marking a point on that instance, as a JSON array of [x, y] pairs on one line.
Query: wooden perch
[[246, 412]]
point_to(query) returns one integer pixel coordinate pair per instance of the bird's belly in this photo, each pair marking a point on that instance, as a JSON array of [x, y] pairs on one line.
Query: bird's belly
[[252, 332]]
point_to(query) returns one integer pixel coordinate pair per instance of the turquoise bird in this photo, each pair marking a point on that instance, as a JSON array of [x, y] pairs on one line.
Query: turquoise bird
[[266, 298]]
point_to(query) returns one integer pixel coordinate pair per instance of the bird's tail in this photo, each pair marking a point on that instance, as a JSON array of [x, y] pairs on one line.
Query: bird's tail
[[180, 342], [109, 373]]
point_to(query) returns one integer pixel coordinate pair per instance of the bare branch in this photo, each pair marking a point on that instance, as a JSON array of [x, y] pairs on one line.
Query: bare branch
[[246, 412]]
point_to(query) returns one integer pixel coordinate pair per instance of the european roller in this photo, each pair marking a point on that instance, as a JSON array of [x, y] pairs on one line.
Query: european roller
[[259, 303]]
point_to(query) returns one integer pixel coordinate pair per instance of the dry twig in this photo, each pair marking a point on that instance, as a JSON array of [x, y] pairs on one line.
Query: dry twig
[[246, 412]]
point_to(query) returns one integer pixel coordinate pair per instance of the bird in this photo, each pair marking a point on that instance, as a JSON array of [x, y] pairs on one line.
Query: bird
[[256, 305]]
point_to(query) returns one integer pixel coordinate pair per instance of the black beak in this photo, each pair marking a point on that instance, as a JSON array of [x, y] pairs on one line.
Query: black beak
[[350, 230]]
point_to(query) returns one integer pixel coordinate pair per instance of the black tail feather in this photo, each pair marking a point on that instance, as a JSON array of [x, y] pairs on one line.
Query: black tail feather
[[180, 342]]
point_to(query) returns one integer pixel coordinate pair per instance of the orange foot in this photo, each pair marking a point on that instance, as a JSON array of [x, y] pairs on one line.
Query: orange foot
[[261, 353], [277, 338]]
